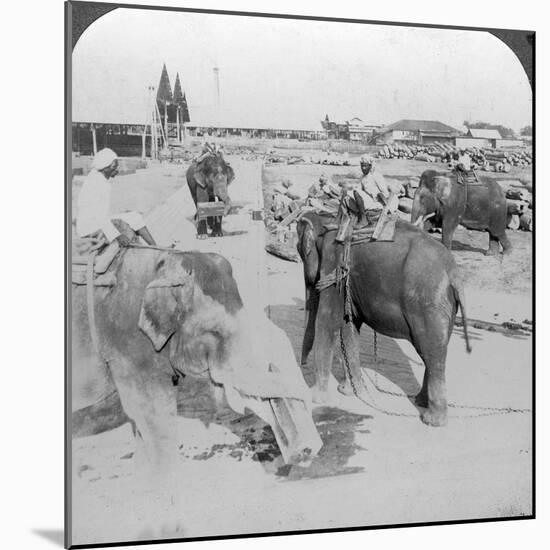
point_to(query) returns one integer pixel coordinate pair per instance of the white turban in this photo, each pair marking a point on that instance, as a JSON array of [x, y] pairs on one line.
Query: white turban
[[103, 159], [367, 159]]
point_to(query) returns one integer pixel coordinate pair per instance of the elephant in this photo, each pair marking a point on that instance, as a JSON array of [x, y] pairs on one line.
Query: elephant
[[208, 179], [165, 314], [478, 206], [187, 298], [156, 316], [408, 288]]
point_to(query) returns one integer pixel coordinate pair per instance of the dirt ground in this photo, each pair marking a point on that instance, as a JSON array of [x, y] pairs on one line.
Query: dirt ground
[[378, 464]]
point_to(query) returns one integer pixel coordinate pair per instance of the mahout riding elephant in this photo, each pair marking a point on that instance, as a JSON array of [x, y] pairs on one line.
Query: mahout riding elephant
[[208, 178], [408, 288], [480, 206]]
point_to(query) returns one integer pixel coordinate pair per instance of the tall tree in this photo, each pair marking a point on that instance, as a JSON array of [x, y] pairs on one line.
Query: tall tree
[[164, 91], [164, 97], [184, 110], [178, 93], [526, 131]]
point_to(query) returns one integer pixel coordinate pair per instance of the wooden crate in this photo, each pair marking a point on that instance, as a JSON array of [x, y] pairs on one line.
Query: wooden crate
[[210, 209]]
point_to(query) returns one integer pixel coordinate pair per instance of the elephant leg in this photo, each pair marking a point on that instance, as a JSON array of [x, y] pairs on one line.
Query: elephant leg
[[432, 336], [326, 330], [202, 229], [494, 248], [447, 232], [421, 399], [217, 227], [433, 394], [506, 244], [149, 400], [349, 335]]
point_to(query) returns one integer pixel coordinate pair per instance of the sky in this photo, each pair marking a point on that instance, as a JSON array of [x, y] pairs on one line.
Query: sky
[[290, 74]]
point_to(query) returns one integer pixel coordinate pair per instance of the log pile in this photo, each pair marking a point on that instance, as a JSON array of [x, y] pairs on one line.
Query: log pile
[[519, 202], [487, 159]]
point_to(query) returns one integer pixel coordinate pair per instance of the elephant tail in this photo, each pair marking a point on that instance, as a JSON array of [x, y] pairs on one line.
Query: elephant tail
[[458, 290]]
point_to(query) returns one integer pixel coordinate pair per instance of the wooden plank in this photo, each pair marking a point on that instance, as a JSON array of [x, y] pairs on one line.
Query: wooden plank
[[294, 429]]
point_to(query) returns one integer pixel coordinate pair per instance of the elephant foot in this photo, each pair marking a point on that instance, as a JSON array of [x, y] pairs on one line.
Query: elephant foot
[[421, 400], [345, 388], [507, 251], [202, 236], [434, 418], [319, 396], [217, 234], [491, 252]]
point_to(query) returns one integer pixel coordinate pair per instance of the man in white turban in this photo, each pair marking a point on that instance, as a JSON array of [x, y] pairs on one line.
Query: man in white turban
[[94, 203], [373, 189]]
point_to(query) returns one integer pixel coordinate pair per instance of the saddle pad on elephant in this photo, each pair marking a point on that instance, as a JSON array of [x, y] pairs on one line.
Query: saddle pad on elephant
[[384, 226], [79, 277], [365, 232], [82, 249], [467, 178]]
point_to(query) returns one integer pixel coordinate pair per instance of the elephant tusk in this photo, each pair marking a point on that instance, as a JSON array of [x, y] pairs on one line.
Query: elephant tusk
[[421, 219]]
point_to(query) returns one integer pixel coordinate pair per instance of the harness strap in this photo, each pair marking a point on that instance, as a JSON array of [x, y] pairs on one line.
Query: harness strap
[[90, 304]]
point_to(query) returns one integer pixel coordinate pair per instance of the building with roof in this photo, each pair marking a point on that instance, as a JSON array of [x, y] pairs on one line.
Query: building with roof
[[417, 132], [353, 130], [483, 133], [480, 137]]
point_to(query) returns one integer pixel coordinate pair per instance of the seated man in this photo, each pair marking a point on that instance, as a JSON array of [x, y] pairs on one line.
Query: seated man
[[373, 189], [464, 172], [94, 201]]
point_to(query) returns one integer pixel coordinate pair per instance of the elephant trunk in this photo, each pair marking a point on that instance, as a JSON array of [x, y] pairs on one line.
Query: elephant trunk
[[220, 191], [312, 303], [417, 211]]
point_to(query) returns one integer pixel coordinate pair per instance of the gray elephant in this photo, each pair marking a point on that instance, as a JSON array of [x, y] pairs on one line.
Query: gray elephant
[[160, 314], [408, 288], [481, 206], [208, 178], [185, 297]]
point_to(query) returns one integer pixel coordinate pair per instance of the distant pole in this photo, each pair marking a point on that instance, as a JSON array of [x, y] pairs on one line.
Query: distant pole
[[166, 119], [217, 84], [94, 140], [178, 123]]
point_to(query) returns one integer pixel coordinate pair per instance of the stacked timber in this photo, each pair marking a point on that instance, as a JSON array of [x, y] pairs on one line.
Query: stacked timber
[[490, 160], [519, 205]]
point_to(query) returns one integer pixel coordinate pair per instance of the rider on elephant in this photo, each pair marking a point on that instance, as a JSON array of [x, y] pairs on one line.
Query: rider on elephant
[[370, 194], [373, 189], [464, 171], [94, 200]]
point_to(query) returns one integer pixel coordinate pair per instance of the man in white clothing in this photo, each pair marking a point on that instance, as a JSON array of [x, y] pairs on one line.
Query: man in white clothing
[[94, 203]]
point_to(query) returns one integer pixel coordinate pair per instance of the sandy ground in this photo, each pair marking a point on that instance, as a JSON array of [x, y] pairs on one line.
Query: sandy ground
[[374, 468]]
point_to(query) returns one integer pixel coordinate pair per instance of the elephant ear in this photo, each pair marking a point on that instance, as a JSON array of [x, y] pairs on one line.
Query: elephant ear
[[200, 176], [165, 302], [307, 240], [230, 173], [443, 188]]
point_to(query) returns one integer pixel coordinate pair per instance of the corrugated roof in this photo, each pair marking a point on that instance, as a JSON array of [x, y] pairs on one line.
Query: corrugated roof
[[419, 125], [485, 133]]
